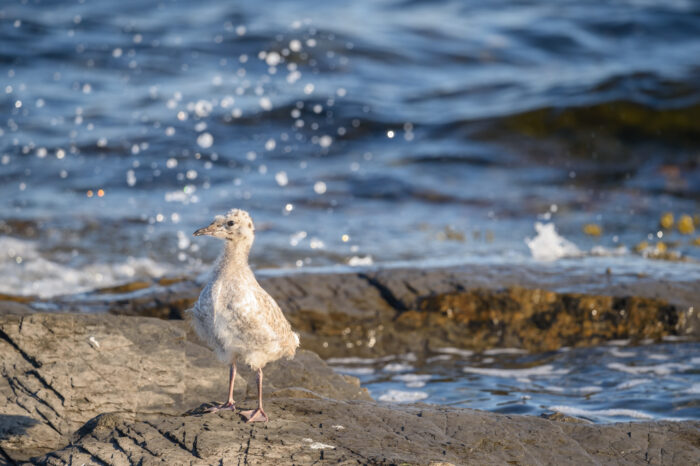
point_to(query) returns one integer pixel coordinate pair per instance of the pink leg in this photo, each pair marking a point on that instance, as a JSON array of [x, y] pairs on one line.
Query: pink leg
[[257, 415], [230, 404]]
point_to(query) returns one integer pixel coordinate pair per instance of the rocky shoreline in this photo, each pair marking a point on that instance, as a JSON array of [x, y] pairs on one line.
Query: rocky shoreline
[[103, 389], [374, 313], [115, 387]]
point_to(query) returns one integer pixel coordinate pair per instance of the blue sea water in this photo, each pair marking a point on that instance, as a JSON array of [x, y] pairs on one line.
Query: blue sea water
[[355, 132], [609, 383], [365, 132]]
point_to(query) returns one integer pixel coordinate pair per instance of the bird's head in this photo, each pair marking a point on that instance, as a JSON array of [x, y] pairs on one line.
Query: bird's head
[[235, 226]]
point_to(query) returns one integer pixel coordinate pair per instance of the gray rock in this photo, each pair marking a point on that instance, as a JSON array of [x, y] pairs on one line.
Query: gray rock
[[101, 389], [391, 311], [60, 370], [309, 431]]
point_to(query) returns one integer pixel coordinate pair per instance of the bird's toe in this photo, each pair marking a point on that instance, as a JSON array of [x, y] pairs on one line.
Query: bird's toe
[[255, 415]]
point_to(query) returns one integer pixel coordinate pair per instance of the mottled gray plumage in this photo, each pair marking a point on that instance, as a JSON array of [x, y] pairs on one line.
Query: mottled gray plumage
[[234, 315]]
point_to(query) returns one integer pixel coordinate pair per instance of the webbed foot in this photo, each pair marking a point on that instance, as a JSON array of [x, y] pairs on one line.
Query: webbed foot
[[255, 415]]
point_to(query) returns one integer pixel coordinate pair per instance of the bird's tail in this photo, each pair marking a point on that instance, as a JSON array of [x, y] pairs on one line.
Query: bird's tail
[[292, 348]]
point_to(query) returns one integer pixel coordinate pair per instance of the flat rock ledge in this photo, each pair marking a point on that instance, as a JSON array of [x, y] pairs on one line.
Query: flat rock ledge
[[395, 311], [105, 389], [316, 431], [61, 370]]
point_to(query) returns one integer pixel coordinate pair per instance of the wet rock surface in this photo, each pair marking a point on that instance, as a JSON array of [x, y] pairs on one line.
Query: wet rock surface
[[376, 313], [104, 389], [475, 307]]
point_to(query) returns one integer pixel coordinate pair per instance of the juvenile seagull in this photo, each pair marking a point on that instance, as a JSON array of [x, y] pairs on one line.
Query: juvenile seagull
[[234, 315]]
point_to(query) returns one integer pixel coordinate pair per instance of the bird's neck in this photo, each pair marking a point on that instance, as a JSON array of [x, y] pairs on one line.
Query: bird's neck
[[235, 256]]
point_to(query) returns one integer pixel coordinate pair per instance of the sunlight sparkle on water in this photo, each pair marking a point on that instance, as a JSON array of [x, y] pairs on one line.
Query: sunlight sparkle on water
[[205, 140]]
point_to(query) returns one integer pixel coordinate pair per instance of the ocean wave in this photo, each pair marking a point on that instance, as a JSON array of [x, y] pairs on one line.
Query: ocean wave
[[26, 271], [600, 413], [402, 396], [658, 369], [537, 371]]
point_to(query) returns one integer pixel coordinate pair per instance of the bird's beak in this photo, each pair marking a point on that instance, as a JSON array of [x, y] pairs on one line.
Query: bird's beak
[[204, 231]]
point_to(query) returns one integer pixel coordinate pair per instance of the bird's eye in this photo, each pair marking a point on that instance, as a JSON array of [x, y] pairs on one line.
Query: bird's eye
[[230, 223]]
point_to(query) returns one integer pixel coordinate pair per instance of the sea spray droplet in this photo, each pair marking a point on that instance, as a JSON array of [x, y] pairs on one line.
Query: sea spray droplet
[[548, 245], [202, 108], [265, 103], [205, 140], [316, 243], [325, 141], [294, 45], [281, 178], [296, 237], [273, 59]]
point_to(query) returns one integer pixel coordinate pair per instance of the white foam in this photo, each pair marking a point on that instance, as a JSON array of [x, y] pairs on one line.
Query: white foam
[[497, 351], [614, 351], [593, 413], [26, 272], [413, 380], [358, 261], [585, 390], [545, 370], [456, 351], [356, 360], [548, 245], [401, 396], [354, 370], [675, 338], [618, 342], [695, 361], [694, 389], [659, 369], [442, 357], [397, 367], [609, 252], [632, 383], [588, 389]]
